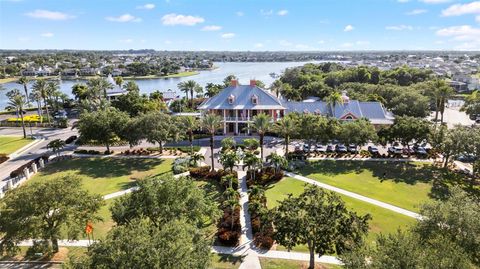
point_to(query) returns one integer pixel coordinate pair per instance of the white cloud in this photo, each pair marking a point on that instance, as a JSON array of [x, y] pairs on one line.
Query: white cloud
[[210, 28], [49, 15], [461, 33], [285, 43], [282, 12], [462, 9], [146, 6], [239, 13], [435, 1], [179, 19], [127, 41], [266, 12], [399, 27], [124, 18], [47, 34], [258, 45], [348, 28], [228, 35], [477, 18], [416, 12]]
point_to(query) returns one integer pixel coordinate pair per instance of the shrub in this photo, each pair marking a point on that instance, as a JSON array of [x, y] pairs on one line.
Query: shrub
[[264, 177], [39, 246], [263, 240], [180, 165], [84, 151], [106, 152], [226, 235], [3, 158], [199, 172], [71, 139]]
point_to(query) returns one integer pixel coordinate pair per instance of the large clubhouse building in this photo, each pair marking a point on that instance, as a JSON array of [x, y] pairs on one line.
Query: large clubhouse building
[[238, 104]]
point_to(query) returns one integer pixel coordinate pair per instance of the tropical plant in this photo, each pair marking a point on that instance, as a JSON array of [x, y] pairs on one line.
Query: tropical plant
[[228, 159], [98, 87], [228, 143], [118, 81], [211, 123], [286, 128], [333, 99], [17, 100], [277, 161], [40, 86], [252, 162], [441, 92], [262, 123], [56, 145], [195, 158], [231, 204], [24, 82], [190, 124], [80, 91], [189, 86]]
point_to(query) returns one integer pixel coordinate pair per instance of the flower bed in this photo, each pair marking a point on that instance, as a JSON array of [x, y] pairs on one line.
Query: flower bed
[[27, 118], [263, 177]]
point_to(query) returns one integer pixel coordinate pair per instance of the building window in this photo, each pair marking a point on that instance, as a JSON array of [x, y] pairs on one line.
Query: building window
[[231, 99], [254, 99], [348, 117]]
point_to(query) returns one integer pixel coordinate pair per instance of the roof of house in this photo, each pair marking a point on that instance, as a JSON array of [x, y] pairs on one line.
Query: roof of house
[[242, 99]]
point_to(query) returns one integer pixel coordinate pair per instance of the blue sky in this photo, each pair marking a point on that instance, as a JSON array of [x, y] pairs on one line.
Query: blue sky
[[296, 25]]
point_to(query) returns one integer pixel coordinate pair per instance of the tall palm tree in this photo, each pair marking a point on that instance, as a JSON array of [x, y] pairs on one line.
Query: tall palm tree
[[99, 86], [53, 94], [18, 101], [211, 123], [252, 162], [262, 123], [189, 86], [118, 81], [40, 86], [190, 124], [333, 99], [443, 91], [276, 87], [277, 161], [24, 81], [35, 96], [286, 127]]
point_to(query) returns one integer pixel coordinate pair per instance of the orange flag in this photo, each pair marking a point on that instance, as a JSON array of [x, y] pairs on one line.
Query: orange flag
[[89, 228]]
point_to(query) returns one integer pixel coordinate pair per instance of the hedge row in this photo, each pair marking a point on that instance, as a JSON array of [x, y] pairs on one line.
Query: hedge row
[[263, 177]]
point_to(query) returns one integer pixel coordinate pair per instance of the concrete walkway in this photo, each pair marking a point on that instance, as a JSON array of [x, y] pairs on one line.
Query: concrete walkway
[[356, 196]]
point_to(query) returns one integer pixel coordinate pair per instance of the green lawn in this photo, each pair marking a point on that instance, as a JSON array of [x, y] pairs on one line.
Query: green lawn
[[106, 175], [267, 263], [383, 220], [10, 144], [224, 261], [402, 184]]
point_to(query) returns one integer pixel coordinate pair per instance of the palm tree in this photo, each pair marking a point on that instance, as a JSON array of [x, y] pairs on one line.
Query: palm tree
[[80, 91], [24, 81], [53, 91], [286, 127], [442, 92], [232, 204], [211, 123], [228, 179], [252, 162], [277, 161], [189, 86], [40, 86], [276, 87], [190, 124], [35, 96], [195, 158], [118, 81], [17, 100], [56, 145], [99, 86], [333, 99], [262, 123]]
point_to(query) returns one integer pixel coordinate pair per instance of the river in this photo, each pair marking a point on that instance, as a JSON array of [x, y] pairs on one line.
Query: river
[[244, 71]]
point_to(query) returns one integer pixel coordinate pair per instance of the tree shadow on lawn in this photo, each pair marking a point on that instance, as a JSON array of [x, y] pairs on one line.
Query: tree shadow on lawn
[[227, 258], [106, 167], [441, 185]]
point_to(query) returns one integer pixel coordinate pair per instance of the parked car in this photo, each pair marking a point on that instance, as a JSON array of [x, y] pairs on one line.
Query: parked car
[[408, 151], [306, 148], [340, 148], [320, 148], [421, 152], [373, 150], [61, 114], [330, 148], [466, 158], [352, 148], [395, 150], [312, 149]]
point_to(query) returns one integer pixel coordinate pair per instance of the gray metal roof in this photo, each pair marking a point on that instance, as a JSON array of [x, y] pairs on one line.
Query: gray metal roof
[[242, 99], [351, 107], [317, 107]]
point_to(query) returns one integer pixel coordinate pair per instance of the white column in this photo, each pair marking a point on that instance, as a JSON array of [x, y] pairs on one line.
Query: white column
[[34, 168], [41, 162], [9, 184], [26, 172], [236, 122], [224, 122]]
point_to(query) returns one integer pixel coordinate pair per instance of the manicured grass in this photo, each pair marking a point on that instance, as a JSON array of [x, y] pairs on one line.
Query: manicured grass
[[106, 175], [101, 228], [402, 184], [267, 263], [10, 144], [182, 74], [224, 261], [383, 220], [9, 79]]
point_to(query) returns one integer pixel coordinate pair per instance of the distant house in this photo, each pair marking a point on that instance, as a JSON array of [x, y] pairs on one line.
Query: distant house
[[169, 95], [238, 104], [112, 95], [29, 72]]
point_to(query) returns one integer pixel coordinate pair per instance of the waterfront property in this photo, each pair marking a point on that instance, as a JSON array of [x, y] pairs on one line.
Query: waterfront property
[[238, 104]]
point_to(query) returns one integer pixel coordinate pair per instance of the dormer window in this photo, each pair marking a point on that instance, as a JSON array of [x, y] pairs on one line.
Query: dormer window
[[349, 117], [254, 99], [231, 99]]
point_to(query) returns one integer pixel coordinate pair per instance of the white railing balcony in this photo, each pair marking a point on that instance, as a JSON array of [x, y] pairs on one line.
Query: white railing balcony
[[237, 119]]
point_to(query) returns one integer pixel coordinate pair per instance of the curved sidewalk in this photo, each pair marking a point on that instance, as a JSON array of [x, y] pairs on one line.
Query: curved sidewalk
[[356, 196]]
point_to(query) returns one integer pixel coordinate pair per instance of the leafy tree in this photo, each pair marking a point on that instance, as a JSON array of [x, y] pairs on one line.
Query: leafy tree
[[118, 81], [410, 103], [455, 220], [102, 125], [133, 103], [212, 89], [333, 99], [132, 132], [228, 143], [140, 244], [45, 210], [211, 123], [56, 145], [455, 141], [98, 88], [131, 86], [276, 87], [262, 123], [80, 91], [472, 105], [358, 132], [320, 220], [286, 128], [228, 79], [409, 129], [160, 128], [190, 124], [251, 143], [163, 199], [17, 101]]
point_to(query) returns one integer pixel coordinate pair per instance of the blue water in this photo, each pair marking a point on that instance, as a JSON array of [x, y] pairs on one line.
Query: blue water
[[244, 71]]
